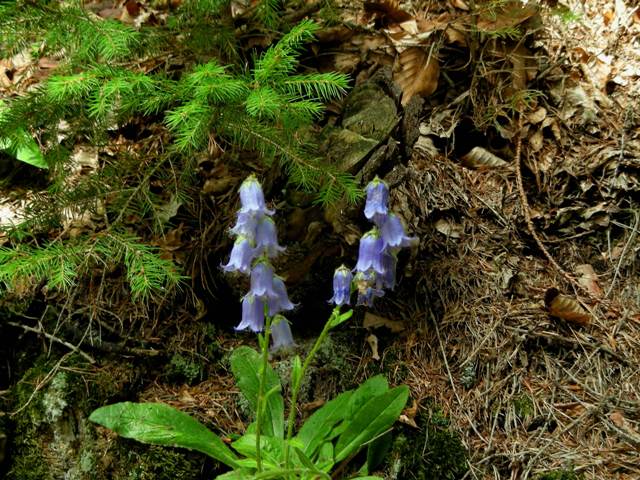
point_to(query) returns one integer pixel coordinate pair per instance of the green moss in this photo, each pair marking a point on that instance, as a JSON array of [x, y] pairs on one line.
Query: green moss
[[441, 454], [184, 369], [523, 406], [158, 463]]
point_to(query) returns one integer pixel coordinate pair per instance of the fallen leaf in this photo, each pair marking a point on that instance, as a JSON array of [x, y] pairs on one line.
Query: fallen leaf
[[589, 280], [479, 157], [387, 11], [376, 321], [417, 73], [372, 340], [566, 308], [537, 116], [448, 228], [617, 418]]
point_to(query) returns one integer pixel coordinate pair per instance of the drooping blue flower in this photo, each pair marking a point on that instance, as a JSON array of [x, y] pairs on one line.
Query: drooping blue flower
[[370, 252], [281, 334], [252, 198], [267, 237], [242, 254], [388, 278], [365, 285], [376, 207], [252, 313], [341, 286], [246, 224], [393, 234], [262, 281], [279, 300]]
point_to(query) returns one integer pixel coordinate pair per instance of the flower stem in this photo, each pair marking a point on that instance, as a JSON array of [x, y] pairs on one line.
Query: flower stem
[[263, 379], [293, 410]]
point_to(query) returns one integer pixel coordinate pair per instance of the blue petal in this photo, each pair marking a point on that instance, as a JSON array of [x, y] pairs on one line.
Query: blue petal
[[252, 198], [341, 286], [370, 253], [262, 284], [279, 300], [376, 205], [246, 224], [252, 314], [242, 254], [267, 237], [281, 335], [393, 233]]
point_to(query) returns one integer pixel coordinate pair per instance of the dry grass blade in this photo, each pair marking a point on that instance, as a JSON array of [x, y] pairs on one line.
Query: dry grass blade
[[417, 73]]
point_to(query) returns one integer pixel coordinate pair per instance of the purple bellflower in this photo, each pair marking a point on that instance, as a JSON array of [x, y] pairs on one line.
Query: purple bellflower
[[252, 314], [281, 334], [393, 234], [388, 278], [246, 224], [370, 252], [252, 198], [262, 281], [366, 291], [279, 301], [341, 286], [267, 237], [241, 257], [376, 206]]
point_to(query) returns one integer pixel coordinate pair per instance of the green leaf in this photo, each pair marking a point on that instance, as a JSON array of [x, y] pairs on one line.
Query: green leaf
[[296, 371], [246, 364], [337, 319], [26, 149], [271, 448], [373, 387], [319, 425], [160, 424], [373, 419], [378, 450]]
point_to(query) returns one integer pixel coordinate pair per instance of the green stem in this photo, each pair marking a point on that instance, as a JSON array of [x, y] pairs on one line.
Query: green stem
[[293, 410], [263, 379]]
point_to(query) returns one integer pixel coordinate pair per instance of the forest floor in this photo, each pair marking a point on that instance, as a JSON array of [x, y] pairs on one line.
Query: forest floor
[[512, 149]]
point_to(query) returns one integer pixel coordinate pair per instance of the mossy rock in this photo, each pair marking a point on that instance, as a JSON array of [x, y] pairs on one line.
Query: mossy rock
[[433, 451], [51, 438]]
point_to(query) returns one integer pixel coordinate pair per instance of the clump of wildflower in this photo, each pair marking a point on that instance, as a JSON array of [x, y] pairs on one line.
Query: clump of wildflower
[[256, 243], [377, 255]]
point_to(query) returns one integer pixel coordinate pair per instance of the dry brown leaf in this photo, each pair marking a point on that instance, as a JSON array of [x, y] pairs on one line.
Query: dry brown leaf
[[589, 280], [479, 157], [448, 228], [459, 4], [566, 308], [536, 141], [509, 15], [386, 11], [372, 340], [617, 418], [537, 116], [376, 321], [417, 73]]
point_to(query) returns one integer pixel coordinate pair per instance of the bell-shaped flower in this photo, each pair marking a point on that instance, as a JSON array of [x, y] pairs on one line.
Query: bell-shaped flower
[[242, 254], [246, 224], [267, 237], [367, 291], [281, 334], [252, 198], [279, 300], [393, 234], [376, 206], [370, 252], [252, 313], [262, 281], [388, 278], [341, 286]]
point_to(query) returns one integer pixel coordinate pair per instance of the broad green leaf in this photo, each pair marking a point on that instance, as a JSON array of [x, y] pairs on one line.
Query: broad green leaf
[[376, 416], [318, 426], [242, 474], [378, 450], [368, 477], [373, 387], [325, 457], [306, 461], [160, 424], [271, 450], [246, 364]]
